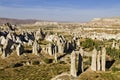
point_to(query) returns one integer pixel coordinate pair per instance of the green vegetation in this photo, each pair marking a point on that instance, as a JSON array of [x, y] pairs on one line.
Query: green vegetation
[[110, 75], [39, 72], [36, 62], [88, 61], [89, 44], [115, 69], [114, 53], [47, 61], [100, 76], [13, 65]]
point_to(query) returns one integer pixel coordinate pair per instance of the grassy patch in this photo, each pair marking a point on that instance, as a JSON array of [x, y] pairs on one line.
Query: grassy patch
[[39, 72]]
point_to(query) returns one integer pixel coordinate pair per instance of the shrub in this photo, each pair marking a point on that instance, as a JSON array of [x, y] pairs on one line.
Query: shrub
[[36, 63], [13, 65], [46, 60], [88, 62], [113, 52], [62, 62], [114, 69], [18, 65], [88, 43]]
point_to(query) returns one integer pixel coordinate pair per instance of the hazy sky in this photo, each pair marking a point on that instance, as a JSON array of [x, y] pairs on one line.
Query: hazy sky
[[59, 10]]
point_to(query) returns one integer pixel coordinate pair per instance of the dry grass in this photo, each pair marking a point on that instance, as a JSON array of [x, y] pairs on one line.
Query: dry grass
[[29, 72], [99, 75]]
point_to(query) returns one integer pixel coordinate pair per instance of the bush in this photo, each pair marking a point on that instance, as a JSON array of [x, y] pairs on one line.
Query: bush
[[62, 62], [88, 62], [98, 44], [114, 69], [13, 65], [88, 43], [46, 60], [113, 52], [18, 65], [36, 63]]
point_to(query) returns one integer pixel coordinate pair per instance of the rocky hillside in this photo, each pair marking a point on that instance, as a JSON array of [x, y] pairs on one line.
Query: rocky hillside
[[17, 21], [105, 22]]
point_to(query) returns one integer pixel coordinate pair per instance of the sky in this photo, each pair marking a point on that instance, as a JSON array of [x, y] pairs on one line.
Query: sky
[[59, 10]]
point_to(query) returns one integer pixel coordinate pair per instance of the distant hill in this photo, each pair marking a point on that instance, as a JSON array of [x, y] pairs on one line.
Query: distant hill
[[113, 19], [17, 21], [105, 22]]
